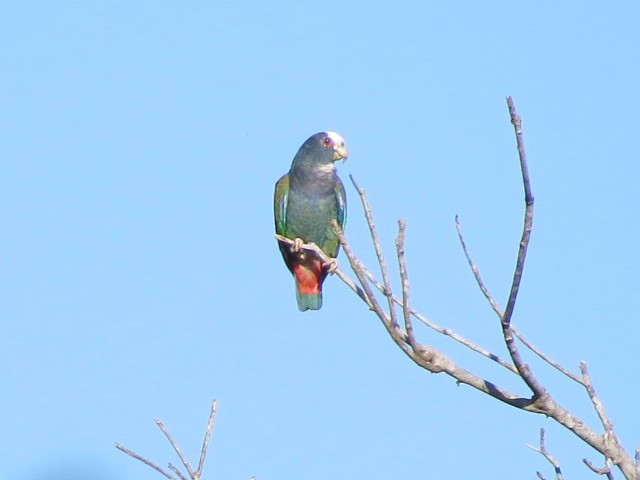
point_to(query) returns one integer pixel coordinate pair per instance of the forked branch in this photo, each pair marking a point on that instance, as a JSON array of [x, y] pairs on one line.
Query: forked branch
[[193, 474], [550, 458]]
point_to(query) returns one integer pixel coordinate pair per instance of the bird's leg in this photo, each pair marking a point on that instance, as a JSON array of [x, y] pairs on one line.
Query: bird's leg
[[297, 245], [332, 265]]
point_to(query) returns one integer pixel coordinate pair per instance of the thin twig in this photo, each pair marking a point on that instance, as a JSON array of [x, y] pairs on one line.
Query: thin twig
[[525, 372], [544, 356], [550, 458], [207, 436], [175, 446], [612, 448], [528, 218], [404, 280], [377, 246], [149, 463], [595, 400], [178, 472], [606, 470], [476, 271]]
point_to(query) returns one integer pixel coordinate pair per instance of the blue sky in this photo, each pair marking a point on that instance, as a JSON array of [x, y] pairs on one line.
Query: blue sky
[[140, 142]]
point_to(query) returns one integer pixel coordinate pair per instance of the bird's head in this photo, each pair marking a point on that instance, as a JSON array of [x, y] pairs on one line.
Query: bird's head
[[322, 149], [336, 144]]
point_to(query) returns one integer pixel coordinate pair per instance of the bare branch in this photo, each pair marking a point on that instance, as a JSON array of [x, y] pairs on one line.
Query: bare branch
[[404, 280], [528, 218], [612, 450], [149, 463], [377, 246], [476, 271], [193, 475], [550, 458], [525, 372], [606, 470], [595, 400], [544, 356], [207, 437], [177, 472], [176, 447]]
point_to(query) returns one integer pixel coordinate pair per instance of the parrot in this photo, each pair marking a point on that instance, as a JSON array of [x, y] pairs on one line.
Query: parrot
[[305, 201]]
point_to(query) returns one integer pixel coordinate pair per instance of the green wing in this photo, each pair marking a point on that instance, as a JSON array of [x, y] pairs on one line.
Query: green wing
[[331, 244], [341, 198], [280, 199]]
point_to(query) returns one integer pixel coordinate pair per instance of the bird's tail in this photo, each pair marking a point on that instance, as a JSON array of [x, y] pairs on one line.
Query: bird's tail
[[308, 287], [308, 301]]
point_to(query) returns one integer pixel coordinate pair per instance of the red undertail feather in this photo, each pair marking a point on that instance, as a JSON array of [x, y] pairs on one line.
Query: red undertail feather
[[309, 277]]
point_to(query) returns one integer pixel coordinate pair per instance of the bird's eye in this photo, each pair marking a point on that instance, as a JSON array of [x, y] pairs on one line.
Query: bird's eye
[[328, 142]]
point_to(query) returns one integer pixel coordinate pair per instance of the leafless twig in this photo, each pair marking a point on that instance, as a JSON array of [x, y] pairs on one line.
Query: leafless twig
[[476, 271], [177, 472], [377, 246], [606, 470], [207, 435], [525, 372], [133, 454], [545, 357], [595, 400], [550, 458], [175, 447], [193, 475], [404, 280]]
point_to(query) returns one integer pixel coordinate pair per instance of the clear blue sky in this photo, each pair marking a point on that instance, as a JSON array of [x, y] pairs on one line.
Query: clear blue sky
[[139, 145]]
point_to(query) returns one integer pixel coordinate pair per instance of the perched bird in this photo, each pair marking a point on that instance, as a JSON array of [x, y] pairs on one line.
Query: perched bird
[[305, 201]]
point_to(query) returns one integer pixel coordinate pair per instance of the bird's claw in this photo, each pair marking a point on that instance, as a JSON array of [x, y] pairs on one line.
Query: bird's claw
[[332, 265], [297, 245]]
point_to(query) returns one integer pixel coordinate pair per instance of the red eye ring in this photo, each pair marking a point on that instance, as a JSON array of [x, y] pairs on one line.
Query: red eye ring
[[328, 141]]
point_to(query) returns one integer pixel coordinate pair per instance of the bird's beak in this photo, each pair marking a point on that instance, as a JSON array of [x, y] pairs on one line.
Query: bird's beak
[[340, 153]]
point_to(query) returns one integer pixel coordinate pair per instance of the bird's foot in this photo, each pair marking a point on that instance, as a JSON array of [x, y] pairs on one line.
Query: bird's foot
[[332, 265], [297, 245]]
